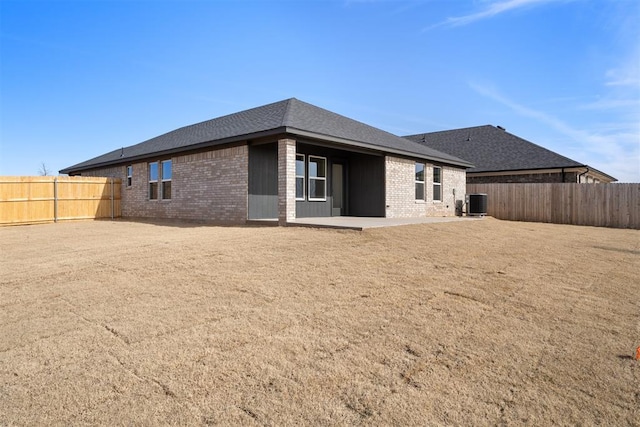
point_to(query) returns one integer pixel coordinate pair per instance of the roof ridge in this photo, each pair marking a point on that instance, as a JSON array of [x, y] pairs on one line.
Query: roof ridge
[[492, 148], [285, 116], [287, 111], [451, 130], [299, 105]]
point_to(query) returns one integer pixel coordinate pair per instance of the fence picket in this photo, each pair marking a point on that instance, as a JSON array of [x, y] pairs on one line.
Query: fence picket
[[600, 205], [26, 200]]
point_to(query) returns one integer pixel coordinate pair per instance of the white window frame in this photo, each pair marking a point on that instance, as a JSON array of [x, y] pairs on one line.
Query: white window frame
[[304, 172], [129, 173], [437, 184], [151, 181], [317, 178], [423, 182], [163, 180]]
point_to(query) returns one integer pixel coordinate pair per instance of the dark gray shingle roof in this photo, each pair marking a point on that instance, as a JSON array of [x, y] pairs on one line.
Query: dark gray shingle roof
[[492, 149], [291, 116]]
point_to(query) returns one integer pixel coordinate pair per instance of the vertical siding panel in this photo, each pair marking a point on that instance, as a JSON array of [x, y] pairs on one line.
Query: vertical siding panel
[[263, 181]]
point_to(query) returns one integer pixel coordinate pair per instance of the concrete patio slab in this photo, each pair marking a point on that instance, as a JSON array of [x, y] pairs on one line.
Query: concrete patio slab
[[361, 223]]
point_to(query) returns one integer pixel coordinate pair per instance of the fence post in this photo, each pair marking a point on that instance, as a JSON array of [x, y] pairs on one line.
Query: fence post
[[55, 199], [112, 202]]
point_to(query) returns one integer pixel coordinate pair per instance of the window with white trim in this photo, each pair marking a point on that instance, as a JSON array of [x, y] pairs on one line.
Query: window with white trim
[[129, 175], [153, 181], [317, 178], [437, 184], [419, 180], [166, 179], [300, 167]]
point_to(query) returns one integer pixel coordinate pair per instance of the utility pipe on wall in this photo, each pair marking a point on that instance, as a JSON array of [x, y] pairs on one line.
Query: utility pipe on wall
[[583, 173]]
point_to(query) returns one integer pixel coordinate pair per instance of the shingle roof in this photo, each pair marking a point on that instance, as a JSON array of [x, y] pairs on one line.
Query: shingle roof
[[290, 116], [492, 149]]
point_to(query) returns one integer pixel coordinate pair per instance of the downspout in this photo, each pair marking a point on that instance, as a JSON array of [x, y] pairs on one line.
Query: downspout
[[563, 177], [583, 173]]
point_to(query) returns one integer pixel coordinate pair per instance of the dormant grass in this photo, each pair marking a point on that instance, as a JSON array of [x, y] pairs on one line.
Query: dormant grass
[[480, 322]]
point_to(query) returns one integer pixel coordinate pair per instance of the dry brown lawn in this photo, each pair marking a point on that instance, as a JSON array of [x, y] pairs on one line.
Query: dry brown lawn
[[481, 322]]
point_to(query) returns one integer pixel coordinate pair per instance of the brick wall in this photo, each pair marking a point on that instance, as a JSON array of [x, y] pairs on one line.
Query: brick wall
[[286, 186], [213, 186], [452, 179], [539, 178], [400, 190], [209, 186]]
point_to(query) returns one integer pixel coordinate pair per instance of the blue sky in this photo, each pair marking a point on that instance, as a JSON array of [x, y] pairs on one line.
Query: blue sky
[[80, 78]]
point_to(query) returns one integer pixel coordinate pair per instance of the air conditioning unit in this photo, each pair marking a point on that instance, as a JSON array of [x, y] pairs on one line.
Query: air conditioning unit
[[477, 204]]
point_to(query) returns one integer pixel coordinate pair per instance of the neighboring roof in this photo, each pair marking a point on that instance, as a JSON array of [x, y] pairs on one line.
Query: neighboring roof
[[288, 116], [492, 149]]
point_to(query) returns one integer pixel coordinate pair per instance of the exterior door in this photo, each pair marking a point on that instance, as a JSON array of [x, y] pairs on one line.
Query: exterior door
[[337, 189]]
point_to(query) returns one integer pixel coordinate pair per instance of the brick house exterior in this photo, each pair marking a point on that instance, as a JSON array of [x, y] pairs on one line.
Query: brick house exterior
[[208, 185], [280, 162], [400, 191], [501, 157]]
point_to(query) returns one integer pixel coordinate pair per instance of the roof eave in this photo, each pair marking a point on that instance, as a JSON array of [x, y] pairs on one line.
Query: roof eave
[[586, 168], [529, 169], [199, 146], [266, 133], [599, 172], [360, 144]]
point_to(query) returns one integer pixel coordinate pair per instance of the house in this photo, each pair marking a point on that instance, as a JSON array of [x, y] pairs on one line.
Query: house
[[499, 156], [281, 161]]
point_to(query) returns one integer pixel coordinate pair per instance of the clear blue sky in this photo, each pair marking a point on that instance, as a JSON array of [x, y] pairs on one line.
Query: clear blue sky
[[80, 78]]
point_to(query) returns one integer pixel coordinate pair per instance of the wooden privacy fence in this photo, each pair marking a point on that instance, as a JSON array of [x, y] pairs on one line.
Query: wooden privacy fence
[[600, 205], [27, 200]]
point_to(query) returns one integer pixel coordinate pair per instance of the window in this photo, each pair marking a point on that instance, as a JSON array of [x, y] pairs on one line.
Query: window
[[419, 181], [160, 173], [437, 184], [129, 175], [317, 178], [153, 181], [300, 176], [166, 179]]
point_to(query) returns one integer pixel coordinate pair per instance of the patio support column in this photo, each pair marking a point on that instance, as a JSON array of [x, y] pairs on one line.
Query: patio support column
[[286, 181]]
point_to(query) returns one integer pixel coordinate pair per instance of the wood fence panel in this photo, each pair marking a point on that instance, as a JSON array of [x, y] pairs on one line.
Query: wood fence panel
[[86, 197], [26, 200], [630, 206], [601, 205]]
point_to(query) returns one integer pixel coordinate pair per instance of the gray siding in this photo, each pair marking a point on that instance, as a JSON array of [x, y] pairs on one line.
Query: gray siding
[[263, 181], [364, 182], [305, 209], [366, 185], [313, 209]]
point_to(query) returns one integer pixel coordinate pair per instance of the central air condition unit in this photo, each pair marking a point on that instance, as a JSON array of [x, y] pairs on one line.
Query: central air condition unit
[[477, 204]]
